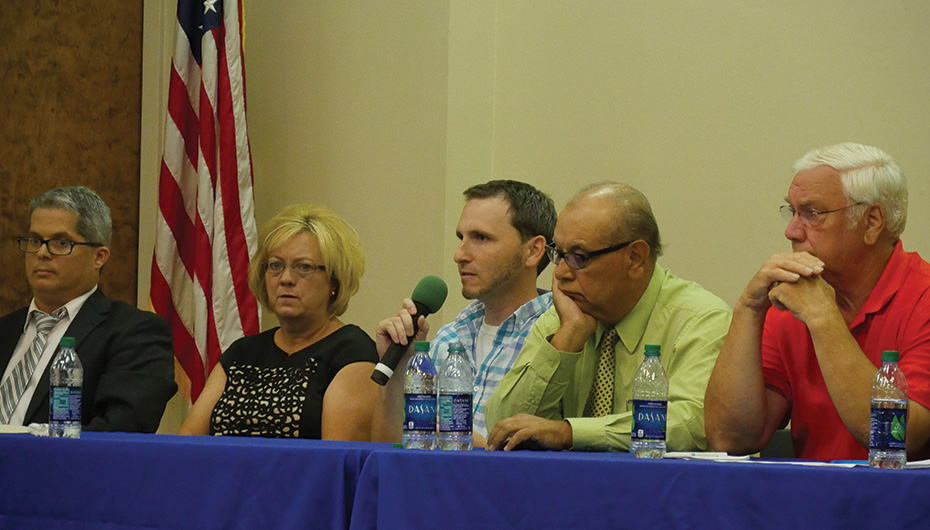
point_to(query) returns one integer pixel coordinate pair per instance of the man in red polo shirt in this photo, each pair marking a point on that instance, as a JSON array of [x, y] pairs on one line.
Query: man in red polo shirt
[[807, 333]]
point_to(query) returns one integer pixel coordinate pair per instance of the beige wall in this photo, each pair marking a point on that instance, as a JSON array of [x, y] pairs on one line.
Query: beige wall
[[386, 111]]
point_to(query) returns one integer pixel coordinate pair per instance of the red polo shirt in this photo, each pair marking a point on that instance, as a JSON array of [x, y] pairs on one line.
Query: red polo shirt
[[896, 316]]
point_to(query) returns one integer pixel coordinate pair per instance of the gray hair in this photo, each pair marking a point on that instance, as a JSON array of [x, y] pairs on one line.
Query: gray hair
[[94, 222], [868, 175], [634, 218]]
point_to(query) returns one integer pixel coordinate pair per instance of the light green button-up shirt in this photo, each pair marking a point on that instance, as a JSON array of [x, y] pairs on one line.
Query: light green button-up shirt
[[687, 321]]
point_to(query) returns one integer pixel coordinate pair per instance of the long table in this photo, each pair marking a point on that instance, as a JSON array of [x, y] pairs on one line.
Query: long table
[[119, 481], [404, 489]]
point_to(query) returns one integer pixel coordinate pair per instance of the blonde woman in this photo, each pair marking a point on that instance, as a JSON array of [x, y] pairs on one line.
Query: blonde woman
[[309, 377]]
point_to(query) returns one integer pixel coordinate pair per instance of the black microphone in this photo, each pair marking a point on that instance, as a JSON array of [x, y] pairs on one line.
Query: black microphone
[[428, 296]]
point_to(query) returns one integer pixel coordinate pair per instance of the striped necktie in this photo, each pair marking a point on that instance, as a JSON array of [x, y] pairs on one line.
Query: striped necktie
[[601, 400], [12, 388]]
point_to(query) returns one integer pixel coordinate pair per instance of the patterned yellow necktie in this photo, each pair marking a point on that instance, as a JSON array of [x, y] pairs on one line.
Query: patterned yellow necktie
[[601, 400]]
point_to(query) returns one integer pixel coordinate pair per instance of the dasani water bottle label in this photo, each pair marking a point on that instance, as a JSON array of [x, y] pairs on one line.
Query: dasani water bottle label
[[420, 412], [887, 429], [455, 413], [66, 403], [649, 420]]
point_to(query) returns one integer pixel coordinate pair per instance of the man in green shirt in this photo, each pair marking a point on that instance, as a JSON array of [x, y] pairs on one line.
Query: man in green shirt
[[559, 395]]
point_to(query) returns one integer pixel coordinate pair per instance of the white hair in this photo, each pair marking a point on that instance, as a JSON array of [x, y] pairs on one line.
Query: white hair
[[868, 175]]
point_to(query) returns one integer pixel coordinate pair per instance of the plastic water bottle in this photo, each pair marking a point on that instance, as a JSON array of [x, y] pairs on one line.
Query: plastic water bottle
[[650, 405], [888, 425], [455, 391], [66, 377], [420, 400]]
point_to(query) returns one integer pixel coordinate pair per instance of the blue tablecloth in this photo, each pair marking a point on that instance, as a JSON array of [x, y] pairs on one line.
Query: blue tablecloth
[[115, 481], [408, 489]]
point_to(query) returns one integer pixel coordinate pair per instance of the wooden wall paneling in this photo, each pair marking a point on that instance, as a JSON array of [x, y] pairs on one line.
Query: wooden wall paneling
[[70, 100]]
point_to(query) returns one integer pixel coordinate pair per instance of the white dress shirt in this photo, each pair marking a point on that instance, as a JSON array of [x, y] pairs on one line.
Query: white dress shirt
[[51, 344]]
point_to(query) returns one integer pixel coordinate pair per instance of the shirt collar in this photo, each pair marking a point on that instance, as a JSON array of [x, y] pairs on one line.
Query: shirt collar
[[632, 327], [73, 306], [891, 280], [533, 308]]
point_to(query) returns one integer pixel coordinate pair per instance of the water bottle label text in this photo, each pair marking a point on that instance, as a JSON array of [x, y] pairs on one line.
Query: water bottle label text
[[649, 418], [66, 403], [419, 412], [455, 413], [888, 428]]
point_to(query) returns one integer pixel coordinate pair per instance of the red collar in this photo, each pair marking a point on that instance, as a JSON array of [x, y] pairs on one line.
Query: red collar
[[891, 280]]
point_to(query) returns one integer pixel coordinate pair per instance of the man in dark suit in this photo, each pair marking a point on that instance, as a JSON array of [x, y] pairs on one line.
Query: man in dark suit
[[126, 353]]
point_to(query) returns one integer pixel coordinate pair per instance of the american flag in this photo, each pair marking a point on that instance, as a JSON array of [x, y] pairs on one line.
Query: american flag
[[205, 230]]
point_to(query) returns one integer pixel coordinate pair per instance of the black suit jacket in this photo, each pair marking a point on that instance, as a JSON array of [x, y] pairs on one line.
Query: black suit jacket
[[128, 365]]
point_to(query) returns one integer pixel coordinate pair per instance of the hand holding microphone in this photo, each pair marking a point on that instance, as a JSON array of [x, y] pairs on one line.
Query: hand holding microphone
[[428, 296]]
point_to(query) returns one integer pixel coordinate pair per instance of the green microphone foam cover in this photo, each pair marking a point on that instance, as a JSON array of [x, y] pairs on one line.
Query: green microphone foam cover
[[431, 292]]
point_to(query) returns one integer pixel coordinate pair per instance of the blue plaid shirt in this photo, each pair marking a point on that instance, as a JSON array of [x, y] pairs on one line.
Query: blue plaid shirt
[[508, 343]]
